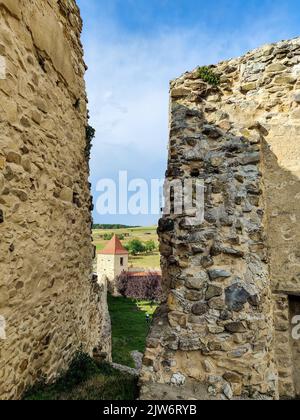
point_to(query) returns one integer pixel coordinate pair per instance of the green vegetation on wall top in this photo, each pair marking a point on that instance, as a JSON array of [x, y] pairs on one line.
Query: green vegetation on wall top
[[208, 75]]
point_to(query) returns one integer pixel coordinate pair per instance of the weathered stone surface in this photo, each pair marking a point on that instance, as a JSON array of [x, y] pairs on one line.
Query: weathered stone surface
[[248, 87], [297, 97], [217, 274], [198, 281], [213, 291], [2, 162], [236, 297], [212, 132], [2, 182], [178, 379], [13, 6], [228, 391], [165, 225], [233, 252], [284, 79], [66, 194], [246, 147], [200, 309], [235, 327], [193, 295], [51, 306], [190, 343], [250, 159], [13, 157], [232, 377], [275, 68]]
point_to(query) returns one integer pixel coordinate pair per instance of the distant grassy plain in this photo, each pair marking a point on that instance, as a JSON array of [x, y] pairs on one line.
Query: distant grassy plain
[[144, 234]]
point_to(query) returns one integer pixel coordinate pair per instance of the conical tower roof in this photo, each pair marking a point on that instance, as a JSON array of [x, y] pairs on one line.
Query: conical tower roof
[[114, 247]]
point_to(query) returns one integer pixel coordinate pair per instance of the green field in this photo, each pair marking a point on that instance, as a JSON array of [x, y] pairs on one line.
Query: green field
[[129, 327], [144, 234]]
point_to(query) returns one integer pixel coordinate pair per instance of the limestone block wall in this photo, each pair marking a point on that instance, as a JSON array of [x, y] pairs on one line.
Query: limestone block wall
[[50, 304], [224, 329]]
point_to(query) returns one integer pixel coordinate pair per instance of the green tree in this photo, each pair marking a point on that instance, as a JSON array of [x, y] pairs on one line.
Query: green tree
[[127, 247], [108, 236], [150, 246], [135, 247]]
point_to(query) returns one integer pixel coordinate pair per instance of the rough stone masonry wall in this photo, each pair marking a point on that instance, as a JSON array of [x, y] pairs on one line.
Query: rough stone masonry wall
[[214, 336], [50, 304]]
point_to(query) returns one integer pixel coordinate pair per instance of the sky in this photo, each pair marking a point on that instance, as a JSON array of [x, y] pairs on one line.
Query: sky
[[133, 48]]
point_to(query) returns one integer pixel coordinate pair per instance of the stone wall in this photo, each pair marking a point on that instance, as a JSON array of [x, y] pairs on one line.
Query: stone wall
[[224, 330], [50, 303]]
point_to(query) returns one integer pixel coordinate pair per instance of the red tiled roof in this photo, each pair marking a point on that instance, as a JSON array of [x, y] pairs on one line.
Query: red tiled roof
[[114, 247], [144, 273]]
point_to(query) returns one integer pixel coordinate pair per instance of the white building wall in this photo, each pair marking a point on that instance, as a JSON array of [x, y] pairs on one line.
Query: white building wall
[[109, 266]]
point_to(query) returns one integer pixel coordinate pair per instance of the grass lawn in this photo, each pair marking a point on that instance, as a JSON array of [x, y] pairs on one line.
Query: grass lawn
[[144, 234], [87, 381], [129, 327]]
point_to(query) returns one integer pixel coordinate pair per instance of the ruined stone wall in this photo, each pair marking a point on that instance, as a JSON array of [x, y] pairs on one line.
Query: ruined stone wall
[[50, 304], [224, 331]]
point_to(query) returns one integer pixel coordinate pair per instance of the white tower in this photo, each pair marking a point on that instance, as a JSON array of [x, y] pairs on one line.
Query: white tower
[[111, 262]]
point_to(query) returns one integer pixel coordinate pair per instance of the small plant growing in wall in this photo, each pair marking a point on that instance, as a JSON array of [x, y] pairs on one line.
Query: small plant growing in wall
[[208, 75], [90, 135]]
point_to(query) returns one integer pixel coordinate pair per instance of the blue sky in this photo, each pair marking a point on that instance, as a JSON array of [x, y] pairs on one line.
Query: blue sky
[[133, 48]]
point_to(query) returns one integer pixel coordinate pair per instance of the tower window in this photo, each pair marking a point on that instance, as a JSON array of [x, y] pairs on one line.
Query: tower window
[[122, 262]]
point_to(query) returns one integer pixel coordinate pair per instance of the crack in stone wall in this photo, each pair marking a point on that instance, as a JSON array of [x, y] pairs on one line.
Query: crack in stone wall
[[223, 331], [50, 303]]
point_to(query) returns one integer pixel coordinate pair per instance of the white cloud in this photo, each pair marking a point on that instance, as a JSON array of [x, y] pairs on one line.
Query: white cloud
[[128, 79]]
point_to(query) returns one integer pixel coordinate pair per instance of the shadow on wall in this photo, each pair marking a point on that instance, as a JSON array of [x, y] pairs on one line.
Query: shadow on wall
[[223, 265], [211, 269], [282, 195]]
